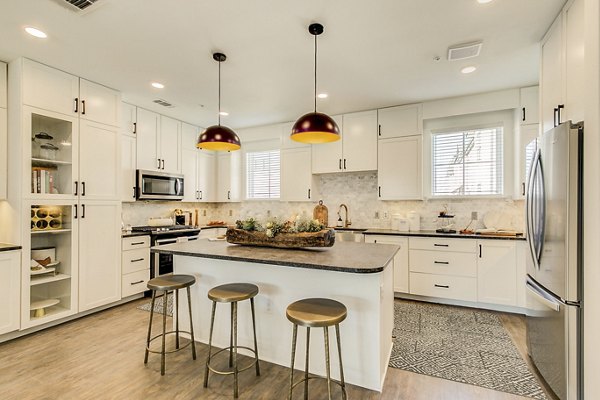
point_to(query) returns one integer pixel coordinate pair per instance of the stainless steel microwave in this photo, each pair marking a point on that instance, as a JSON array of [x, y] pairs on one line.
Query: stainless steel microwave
[[153, 185]]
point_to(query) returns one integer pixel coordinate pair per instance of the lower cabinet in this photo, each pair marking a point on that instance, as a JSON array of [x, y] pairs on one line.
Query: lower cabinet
[[401, 279], [10, 285], [444, 286], [497, 272], [135, 261]]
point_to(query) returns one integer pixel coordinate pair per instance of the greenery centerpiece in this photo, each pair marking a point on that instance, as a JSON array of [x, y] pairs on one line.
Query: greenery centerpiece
[[275, 232]]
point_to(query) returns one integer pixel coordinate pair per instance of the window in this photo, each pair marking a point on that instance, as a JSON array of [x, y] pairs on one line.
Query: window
[[467, 163], [262, 174]]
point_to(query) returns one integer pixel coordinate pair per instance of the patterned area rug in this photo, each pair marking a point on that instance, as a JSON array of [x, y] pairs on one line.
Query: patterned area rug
[[460, 344], [158, 305]]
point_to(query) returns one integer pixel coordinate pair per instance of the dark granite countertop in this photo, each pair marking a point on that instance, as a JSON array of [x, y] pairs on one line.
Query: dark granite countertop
[[9, 247], [377, 231], [125, 234], [360, 258], [203, 227]]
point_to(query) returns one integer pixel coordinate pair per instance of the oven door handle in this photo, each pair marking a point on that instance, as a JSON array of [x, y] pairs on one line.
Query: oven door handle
[[160, 242]]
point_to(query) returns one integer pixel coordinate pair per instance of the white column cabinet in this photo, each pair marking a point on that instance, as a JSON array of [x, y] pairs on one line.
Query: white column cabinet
[[170, 144], [99, 103], [147, 153], [497, 272], [401, 276], [207, 171], [99, 253], [297, 182], [400, 175], [10, 284], [400, 121], [229, 179], [327, 157]]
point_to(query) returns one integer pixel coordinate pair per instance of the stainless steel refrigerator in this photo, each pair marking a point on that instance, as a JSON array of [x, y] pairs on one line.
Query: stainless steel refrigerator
[[554, 275]]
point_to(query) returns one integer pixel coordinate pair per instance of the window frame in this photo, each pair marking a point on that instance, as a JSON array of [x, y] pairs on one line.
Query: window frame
[[259, 149]]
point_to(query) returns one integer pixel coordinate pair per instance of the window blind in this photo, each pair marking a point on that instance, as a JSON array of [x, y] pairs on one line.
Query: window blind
[[263, 174], [468, 163]]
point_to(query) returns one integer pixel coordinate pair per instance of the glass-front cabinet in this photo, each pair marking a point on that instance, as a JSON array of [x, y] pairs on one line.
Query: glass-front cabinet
[[50, 270]]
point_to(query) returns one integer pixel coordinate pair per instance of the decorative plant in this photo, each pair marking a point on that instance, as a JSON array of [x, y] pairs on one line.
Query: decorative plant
[[274, 226]]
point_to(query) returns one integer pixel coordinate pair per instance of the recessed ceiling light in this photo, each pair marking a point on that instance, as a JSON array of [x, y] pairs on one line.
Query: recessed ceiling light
[[468, 70], [35, 32], [322, 95], [484, 1], [158, 85], [223, 113]]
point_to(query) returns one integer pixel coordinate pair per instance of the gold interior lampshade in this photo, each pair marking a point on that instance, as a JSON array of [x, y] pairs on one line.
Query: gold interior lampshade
[[219, 138], [314, 128]]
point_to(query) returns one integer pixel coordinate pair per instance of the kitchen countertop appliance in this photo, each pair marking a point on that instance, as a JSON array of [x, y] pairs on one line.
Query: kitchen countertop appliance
[[554, 271]]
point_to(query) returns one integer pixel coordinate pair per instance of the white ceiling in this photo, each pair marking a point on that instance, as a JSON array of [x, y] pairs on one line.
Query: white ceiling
[[372, 54]]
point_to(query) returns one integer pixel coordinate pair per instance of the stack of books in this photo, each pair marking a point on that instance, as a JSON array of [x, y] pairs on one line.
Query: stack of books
[[42, 180]]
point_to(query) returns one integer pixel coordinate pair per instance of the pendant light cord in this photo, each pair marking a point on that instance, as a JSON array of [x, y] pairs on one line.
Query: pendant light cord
[[219, 93], [315, 73]]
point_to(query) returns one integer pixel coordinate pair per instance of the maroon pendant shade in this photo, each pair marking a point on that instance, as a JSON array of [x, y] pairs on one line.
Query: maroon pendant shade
[[315, 127], [220, 138]]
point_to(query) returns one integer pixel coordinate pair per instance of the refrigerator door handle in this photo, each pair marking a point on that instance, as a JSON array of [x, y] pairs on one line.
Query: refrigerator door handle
[[529, 210], [544, 298]]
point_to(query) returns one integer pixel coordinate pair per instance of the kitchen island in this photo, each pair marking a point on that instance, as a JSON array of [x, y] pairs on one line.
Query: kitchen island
[[360, 275]]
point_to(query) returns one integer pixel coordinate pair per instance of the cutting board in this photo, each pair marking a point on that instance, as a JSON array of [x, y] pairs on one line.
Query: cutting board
[[321, 213]]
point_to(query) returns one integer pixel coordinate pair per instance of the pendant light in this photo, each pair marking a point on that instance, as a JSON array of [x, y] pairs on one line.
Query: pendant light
[[315, 127], [218, 137]]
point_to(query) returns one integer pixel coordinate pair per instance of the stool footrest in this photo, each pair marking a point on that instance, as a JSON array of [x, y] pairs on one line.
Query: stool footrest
[[219, 372], [318, 377], [169, 351]]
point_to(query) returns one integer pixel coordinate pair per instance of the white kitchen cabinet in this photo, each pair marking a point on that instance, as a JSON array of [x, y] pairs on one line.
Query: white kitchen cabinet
[[229, 177], [574, 76], [147, 152], [135, 262], [497, 272], [189, 160], [3, 153], [360, 141], [526, 147], [3, 85], [128, 165], [327, 157], [401, 280], [10, 285], [400, 121], [99, 161], [297, 181], [99, 103], [551, 75], [529, 105], [99, 253], [207, 176], [128, 123], [170, 144], [444, 286], [400, 169]]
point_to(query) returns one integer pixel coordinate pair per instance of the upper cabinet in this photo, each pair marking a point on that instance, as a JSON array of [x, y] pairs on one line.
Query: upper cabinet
[[3, 131], [400, 121], [297, 181], [189, 167], [529, 105], [3, 85], [357, 149], [170, 143], [562, 63], [99, 103], [229, 177], [128, 123], [400, 171], [147, 140]]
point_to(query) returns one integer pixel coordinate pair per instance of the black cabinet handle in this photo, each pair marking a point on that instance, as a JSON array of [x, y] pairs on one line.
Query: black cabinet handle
[[379, 191], [554, 117], [442, 286], [136, 283], [524, 114], [197, 195], [201, 195], [344, 163], [134, 192], [375, 241], [379, 130], [83, 188], [76, 110], [340, 164], [135, 128], [138, 260], [163, 163], [309, 193], [158, 159], [523, 188], [560, 107], [75, 214], [441, 262], [440, 245], [479, 251], [229, 195], [83, 211], [82, 107], [76, 188], [137, 243]]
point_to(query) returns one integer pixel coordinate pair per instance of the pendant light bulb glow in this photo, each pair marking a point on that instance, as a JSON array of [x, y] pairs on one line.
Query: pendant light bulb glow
[[315, 127], [218, 137]]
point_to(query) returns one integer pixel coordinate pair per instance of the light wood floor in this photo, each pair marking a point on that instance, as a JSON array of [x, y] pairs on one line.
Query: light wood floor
[[101, 357]]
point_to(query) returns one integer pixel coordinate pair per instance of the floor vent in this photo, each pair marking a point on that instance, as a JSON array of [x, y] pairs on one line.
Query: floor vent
[[78, 5], [163, 103], [462, 51]]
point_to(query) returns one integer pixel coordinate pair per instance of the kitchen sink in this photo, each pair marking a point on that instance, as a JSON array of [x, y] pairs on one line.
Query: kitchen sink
[[349, 235]]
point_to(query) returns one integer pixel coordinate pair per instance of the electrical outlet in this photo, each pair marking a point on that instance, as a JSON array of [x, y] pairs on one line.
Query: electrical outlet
[[204, 213], [230, 213], [376, 214], [385, 215], [474, 215]]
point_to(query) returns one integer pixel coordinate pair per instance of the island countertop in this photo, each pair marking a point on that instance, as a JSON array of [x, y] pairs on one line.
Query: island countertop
[[359, 258]]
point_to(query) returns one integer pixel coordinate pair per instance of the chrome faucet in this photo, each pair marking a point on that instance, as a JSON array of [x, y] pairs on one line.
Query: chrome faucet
[[347, 222]]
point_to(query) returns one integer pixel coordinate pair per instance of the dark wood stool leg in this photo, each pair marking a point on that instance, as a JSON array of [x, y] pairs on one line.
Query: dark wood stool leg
[[306, 363], [191, 323], [231, 338], [339, 346], [176, 318], [212, 324], [163, 354], [326, 331], [150, 327], [294, 337], [255, 342], [235, 352]]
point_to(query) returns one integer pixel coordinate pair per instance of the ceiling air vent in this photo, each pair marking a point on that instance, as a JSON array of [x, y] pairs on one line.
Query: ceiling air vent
[[163, 103], [462, 51], [78, 5]]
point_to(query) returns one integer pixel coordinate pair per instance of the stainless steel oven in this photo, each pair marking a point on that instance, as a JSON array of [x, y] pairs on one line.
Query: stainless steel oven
[[163, 263], [152, 185]]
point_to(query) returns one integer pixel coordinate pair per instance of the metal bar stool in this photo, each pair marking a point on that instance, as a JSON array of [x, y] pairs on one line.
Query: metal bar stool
[[316, 313], [232, 293], [170, 283]]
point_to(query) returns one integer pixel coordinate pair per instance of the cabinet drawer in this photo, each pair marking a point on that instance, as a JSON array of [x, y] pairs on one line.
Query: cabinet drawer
[[443, 244], [135, 260], [136, 242], [447, 287], [135, 282], [443, 263]]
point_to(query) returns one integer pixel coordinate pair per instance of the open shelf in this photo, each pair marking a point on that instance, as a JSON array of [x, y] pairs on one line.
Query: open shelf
[[52, 311], [42, 162], [41, 279], [55, 231]]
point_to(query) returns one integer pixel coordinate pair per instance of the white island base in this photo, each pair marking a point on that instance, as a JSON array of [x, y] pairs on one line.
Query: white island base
[[366, 334]]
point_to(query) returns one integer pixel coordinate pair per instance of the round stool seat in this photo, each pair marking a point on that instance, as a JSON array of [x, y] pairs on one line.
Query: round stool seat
[[171, 282], [316, 313], [232, 292]]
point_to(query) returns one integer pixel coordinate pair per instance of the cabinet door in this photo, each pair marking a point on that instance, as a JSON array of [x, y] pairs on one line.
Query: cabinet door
[[128, 123], [189, 168], [10, 285], [3, 85], [128, 149], [170, 144], [224, 178], [400, 169], [189, 137], [400, 259], [574, 62], [99, 254], [360, 141], [527, 147], [551, 75], [236, 176], [99, 103], [497, 272], [3, 153], [207, 173], [530, 105], [99, 161], [296, 175], [50, 89], [147, 156], [400, 121], [327, 157]]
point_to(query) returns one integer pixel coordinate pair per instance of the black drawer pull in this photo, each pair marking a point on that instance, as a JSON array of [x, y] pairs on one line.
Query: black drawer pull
[[440, 245], [442, 286], [136, 283], [137, 243], [441, 262], [138, 260]]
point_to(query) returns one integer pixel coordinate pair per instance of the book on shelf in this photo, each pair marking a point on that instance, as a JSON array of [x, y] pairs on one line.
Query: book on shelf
[[42, 180]]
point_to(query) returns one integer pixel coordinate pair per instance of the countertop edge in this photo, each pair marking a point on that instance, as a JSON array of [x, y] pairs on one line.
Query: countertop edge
[[9, 247], [441, 235]]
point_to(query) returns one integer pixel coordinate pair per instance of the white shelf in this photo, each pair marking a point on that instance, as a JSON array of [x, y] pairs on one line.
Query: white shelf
[[43, 161], [54, 231], [39, 280], [52, 312]]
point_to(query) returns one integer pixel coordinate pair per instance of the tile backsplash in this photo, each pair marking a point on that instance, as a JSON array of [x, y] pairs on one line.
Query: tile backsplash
[[358, 191]]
